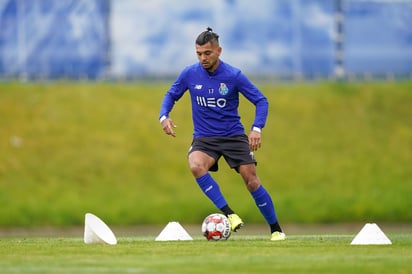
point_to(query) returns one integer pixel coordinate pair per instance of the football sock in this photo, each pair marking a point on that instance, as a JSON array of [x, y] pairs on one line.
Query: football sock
[[227, 210], [212, 190], [275, 227], [265, 204]]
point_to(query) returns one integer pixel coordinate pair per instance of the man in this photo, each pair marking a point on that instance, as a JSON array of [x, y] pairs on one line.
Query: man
[[214, 88]]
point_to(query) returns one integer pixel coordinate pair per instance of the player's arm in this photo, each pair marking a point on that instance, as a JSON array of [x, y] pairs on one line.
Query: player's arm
[[256, 97], [175, 92], [255, 140], [164, 119]]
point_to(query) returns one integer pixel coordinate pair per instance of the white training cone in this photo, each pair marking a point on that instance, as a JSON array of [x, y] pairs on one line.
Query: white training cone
[[173, 232], [371, 234], [96, 231]]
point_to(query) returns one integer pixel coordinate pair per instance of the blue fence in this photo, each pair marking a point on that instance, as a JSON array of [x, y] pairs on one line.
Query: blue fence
[[47, 39], [51, 39]]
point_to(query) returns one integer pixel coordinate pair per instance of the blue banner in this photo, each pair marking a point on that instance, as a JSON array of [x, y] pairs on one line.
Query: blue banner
[[76, 39], [53, 39]]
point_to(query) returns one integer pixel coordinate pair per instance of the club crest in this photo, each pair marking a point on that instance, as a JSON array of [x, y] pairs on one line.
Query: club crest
[[223, 90]]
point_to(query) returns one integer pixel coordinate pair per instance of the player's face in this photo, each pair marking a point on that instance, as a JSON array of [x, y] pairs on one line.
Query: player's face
[[208, 55]]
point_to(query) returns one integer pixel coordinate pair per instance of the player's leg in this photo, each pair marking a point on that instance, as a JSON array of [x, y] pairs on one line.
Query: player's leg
[[262, 199], [258, 192], [200, 163]]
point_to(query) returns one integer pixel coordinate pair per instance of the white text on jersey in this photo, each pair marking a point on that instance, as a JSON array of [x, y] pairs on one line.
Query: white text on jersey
[[211, 102]]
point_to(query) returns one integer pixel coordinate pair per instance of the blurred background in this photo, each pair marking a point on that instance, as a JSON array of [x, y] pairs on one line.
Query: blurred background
[[127, 39]]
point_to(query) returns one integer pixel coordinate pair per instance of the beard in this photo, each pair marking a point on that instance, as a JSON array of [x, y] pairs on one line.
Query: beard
[[208, 65]]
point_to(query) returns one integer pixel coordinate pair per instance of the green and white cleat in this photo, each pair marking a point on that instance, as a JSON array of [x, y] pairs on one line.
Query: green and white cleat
[[235, 222], [278, 236]]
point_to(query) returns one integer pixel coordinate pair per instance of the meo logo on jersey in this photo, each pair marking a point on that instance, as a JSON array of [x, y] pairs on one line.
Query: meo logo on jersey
[[211, 102]]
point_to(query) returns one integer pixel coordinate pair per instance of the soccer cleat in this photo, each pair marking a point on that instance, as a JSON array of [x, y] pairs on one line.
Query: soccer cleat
[[278, 236], [235, 222]]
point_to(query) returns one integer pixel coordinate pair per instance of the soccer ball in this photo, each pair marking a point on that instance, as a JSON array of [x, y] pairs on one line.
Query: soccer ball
[[216, 227]]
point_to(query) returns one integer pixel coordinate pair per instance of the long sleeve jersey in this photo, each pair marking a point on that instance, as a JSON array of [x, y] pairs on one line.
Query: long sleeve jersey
[[215, 99]]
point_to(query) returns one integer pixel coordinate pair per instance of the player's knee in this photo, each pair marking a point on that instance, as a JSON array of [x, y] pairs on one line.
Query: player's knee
[[252, 183], [197, 169]]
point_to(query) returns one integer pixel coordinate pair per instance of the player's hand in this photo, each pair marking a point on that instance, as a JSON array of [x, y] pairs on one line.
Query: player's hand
[[168, 127], [254, 140]]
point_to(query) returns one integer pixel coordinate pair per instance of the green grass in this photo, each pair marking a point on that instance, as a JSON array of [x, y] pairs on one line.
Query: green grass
[[331, 152], [240, 254]]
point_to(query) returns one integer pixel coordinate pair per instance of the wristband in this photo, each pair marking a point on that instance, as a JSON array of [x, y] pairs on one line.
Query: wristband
[[162, 118], [257, 129]]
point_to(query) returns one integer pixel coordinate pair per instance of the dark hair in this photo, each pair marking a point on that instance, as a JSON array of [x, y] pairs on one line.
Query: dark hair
[[206, 37]]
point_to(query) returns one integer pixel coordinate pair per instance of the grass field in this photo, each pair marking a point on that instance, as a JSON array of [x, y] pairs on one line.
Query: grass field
[[251, 253]]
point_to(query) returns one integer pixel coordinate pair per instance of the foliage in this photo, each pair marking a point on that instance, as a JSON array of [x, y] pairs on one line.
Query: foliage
[[331, 152]]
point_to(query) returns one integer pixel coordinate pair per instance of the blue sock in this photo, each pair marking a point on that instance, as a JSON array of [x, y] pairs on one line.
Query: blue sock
[[212, 190], [265, 204]]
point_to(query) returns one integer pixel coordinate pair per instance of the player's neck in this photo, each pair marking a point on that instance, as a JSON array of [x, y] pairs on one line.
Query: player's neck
[[214, 68]]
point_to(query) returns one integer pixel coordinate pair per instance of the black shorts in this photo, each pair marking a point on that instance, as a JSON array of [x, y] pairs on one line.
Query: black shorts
[[234, 149]]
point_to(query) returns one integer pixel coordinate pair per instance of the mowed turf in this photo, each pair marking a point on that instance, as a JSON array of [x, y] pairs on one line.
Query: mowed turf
[[240, 254]]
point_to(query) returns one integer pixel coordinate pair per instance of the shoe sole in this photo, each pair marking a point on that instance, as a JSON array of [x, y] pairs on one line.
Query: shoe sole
[[239, 226]]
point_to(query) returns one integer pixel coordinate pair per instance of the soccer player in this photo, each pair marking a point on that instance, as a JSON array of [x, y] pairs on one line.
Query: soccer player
[[214, 88]]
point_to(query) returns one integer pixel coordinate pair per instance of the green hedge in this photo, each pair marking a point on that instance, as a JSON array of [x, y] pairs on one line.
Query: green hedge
[[332, 152]]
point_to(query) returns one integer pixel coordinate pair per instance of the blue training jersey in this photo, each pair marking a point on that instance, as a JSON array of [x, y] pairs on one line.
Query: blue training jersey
[[215, 99]]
